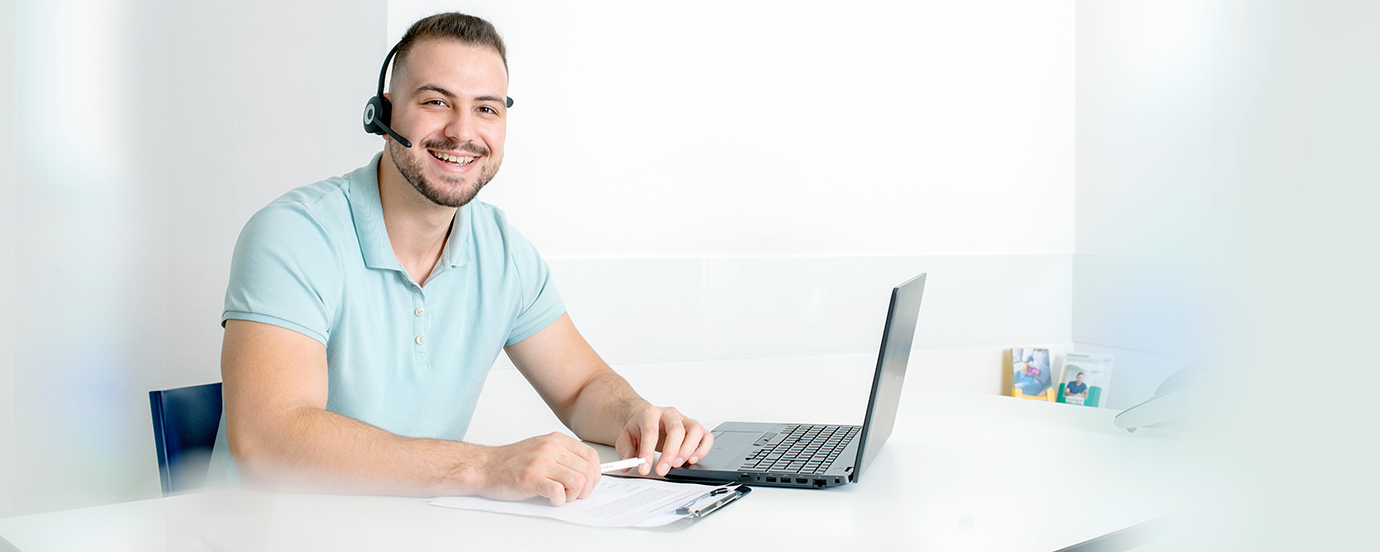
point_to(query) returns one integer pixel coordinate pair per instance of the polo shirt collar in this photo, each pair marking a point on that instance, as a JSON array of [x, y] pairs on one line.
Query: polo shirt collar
[[456, 253], [367, 211]]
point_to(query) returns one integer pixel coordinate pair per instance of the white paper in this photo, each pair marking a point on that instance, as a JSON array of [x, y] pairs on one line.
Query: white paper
[[614, 502]]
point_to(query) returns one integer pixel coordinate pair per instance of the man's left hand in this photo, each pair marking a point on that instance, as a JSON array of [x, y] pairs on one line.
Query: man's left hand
[[680, 439]]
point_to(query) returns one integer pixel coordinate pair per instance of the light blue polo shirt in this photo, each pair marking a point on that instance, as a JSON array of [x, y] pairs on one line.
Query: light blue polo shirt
[[409, 359]]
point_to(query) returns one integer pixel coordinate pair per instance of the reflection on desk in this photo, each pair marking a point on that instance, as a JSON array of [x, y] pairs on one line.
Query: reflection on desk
[[961, 471]]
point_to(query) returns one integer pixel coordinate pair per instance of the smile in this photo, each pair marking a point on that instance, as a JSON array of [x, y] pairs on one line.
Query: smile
[[453, 159]]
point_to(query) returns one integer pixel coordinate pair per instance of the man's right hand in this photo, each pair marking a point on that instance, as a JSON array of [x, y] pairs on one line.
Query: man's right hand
[[555, 467]]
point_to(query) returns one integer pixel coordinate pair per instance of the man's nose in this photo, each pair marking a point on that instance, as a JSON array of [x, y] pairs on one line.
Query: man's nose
[[461, 127]]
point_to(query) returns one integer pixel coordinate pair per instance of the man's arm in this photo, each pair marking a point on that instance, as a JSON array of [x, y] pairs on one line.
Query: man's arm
[[599, 405], [282, 436]]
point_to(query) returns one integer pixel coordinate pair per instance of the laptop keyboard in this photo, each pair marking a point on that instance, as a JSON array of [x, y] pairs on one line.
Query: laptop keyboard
[[807, 449]]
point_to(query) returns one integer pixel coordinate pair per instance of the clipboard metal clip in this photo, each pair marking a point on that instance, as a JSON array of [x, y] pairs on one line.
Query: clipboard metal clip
[[729, 495]]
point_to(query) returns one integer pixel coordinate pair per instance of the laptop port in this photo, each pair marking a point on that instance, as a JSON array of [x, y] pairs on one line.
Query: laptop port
[[801, 481], [771, 479], [820, 483]]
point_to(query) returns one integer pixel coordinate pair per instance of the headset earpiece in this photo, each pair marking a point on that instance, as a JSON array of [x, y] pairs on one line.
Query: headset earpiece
[[378, 110], [378, 113]]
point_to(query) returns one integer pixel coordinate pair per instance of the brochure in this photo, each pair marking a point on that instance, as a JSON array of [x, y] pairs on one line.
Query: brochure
[[1031, 376], [1085, 379]]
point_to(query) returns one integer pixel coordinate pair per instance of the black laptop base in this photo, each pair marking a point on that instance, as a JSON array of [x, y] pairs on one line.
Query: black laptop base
[[751, 454], [765, 480]]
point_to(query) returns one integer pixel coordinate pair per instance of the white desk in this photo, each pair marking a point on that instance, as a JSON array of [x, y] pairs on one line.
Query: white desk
[[960, 472]]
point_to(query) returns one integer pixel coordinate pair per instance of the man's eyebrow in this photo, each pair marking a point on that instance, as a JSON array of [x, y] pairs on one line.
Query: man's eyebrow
[[451, 95], [435, 89]]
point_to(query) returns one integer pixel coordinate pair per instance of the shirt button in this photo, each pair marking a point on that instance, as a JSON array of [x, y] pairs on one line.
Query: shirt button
[[421, 340], [420, 311]]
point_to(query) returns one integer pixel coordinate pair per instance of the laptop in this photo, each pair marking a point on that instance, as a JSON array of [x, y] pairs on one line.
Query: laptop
[[818, 456]]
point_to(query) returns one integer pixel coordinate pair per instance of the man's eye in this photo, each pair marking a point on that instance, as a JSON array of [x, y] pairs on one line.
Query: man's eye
[[438, 103], [488, 109]]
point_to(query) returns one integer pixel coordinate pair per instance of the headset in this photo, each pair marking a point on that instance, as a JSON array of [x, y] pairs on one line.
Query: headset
[[378, 113]]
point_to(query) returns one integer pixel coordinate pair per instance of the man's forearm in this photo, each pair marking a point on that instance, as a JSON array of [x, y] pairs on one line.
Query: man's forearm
[[322, 451], [598, 404], [603, 407]]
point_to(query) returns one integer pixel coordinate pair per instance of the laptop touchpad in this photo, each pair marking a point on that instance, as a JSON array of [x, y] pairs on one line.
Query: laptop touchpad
[[733, 442]]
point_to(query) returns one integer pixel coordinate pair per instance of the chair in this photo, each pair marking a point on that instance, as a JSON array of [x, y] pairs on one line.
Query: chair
[[185, 421]]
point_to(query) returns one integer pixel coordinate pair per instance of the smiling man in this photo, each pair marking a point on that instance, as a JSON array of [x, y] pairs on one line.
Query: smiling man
[[364, 312]]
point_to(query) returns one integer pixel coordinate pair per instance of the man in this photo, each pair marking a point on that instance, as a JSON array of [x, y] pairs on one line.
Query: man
[[1077, 387], [364, 312]]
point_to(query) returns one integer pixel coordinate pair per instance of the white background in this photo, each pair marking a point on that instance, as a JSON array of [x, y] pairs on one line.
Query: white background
[[749, 128], [1168, 181]]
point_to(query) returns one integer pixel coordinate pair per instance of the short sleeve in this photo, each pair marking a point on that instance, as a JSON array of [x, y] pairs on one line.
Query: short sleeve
[[285, 272], [540, 304]]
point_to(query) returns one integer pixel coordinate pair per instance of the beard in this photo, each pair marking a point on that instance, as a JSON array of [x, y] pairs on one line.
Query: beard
[[455, 195]]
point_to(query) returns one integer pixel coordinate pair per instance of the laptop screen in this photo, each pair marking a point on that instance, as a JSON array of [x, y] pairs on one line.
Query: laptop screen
[[891, 370]]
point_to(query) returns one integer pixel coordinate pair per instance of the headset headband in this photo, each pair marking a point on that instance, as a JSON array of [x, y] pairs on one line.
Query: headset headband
[[383, 73]]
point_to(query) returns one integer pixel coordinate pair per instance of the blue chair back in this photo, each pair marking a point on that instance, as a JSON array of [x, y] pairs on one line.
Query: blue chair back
[[185, 421]]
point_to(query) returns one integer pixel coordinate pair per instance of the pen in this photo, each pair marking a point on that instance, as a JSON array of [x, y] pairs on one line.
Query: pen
[[621, 464]]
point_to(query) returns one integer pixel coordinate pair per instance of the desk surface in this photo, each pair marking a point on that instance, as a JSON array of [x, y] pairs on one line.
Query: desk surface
[[960, 472]]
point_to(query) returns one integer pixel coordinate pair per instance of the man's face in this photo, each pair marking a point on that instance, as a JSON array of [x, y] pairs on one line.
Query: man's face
[[449, 100], [1078, 378]]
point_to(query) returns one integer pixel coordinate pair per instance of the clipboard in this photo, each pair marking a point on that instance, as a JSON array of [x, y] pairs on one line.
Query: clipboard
[[703, 506]]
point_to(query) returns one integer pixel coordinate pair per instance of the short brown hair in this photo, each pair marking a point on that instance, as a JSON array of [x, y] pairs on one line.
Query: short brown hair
[[452, 26]]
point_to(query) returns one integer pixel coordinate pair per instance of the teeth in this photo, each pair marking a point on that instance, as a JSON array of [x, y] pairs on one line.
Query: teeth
[[452, 158]]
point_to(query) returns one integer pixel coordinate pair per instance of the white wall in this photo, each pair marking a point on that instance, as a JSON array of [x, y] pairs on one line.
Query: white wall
[[741, 128], [1172, 98], [1314, 259], [636, 310], [7, 265], [1227, 183], [149, 132]]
